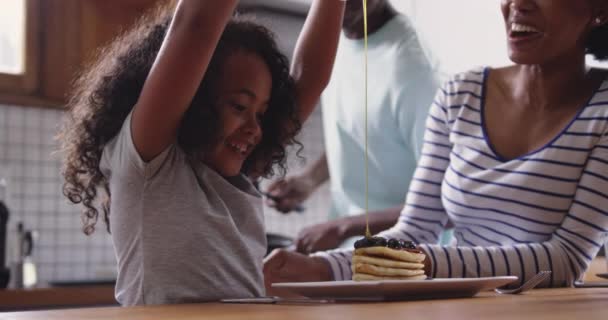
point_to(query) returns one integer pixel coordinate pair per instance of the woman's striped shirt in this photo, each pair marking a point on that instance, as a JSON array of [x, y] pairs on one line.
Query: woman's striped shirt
[[546, 210]]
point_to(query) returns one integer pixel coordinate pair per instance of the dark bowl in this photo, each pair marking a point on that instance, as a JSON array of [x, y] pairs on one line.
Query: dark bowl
[[5, 275], [277, 241]]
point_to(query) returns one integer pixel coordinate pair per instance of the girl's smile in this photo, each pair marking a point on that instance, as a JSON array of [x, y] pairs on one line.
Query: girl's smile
[[245, 88]]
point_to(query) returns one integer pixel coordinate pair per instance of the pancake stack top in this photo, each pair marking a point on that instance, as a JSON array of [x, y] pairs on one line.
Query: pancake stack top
[[377, 258]]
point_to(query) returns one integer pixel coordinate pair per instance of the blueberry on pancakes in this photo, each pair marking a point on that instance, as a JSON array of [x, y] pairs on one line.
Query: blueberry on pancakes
[[377, 258]]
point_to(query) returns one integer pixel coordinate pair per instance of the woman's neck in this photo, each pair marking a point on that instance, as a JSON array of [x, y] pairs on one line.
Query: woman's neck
[[550, 85]]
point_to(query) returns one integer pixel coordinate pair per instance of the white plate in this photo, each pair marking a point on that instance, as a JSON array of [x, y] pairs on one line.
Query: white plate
[[395, 289]]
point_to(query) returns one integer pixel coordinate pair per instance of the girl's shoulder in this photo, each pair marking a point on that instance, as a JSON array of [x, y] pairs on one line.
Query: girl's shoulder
[[121, 156]]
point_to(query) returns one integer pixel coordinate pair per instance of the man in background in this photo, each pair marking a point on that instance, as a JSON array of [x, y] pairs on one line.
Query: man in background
[[401, 86]]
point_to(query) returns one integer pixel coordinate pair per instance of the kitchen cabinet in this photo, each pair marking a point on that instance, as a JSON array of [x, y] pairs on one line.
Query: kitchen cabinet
[[51, 298]]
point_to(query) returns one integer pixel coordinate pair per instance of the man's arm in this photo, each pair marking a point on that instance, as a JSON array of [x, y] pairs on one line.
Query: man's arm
[[289, 192], [318, 171], [331, 234], [378, 221]]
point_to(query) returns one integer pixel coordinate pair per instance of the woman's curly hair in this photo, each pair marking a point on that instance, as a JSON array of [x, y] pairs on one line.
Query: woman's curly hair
[[105, 94]]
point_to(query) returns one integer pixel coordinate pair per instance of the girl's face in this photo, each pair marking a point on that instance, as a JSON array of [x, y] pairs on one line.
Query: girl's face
[[540, 31], [244, 93]]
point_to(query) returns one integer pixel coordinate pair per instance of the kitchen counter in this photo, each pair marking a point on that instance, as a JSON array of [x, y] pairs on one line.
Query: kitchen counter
[[542, 304], [57, 297], [103, 295]]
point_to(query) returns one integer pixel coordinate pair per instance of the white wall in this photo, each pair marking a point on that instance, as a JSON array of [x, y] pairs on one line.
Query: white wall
[[461, 34]]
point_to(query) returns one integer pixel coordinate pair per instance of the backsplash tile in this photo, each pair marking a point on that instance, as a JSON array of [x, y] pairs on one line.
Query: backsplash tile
[[32, 170]]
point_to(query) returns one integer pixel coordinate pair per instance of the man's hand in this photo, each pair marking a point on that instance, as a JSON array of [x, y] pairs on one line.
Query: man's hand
[[320, 237], [288, 193], [287, 266]]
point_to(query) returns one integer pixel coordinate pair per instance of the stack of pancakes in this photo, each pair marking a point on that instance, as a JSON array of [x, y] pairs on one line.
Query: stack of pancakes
[[384, 263]]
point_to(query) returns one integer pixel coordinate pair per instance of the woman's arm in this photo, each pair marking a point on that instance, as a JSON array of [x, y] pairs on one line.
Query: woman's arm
[[177, 73], [567, 253], [423, 218], [315, 53]]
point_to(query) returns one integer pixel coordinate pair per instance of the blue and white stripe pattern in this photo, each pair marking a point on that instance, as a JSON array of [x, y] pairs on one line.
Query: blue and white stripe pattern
[[546, 210]]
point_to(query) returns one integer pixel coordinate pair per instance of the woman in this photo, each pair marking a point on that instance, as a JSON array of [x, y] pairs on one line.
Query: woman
[[516, 157]]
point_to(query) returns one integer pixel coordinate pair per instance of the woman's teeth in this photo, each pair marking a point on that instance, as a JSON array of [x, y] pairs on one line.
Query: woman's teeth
[[516, 27]]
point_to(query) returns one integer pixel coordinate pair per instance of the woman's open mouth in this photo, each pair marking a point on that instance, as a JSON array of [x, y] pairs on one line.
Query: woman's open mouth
[[519, 32]]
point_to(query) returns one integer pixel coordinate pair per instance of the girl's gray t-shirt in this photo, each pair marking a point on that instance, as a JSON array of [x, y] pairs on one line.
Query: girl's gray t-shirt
[[181, 232]]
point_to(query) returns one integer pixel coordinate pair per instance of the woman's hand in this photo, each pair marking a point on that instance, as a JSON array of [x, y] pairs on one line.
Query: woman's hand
[[287, 266]]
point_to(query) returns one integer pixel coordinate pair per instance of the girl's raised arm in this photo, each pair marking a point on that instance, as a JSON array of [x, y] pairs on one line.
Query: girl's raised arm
[[315, 52], [177, 73]]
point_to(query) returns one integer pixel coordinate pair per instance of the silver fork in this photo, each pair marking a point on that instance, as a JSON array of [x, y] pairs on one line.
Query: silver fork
[[530, 284]]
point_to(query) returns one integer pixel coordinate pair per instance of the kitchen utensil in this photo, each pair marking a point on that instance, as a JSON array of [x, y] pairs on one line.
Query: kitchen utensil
[[530, 284]]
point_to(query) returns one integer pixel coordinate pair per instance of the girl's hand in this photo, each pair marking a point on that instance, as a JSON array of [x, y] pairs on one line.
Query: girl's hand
[[287, 266]]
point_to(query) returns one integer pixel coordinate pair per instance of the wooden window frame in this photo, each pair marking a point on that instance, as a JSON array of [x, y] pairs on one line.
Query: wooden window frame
[[61, 38]]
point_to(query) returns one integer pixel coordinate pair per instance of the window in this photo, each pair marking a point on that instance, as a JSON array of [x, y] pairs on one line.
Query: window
[[12, 29], [18, 46]]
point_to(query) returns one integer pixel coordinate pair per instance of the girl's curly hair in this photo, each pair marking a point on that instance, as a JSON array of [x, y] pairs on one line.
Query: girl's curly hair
[[104, 95]]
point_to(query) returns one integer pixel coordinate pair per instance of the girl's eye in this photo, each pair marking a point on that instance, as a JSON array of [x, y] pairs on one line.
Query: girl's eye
[[238, 107]]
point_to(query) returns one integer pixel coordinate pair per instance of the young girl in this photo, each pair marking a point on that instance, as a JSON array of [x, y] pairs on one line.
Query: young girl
[[172, 123]]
